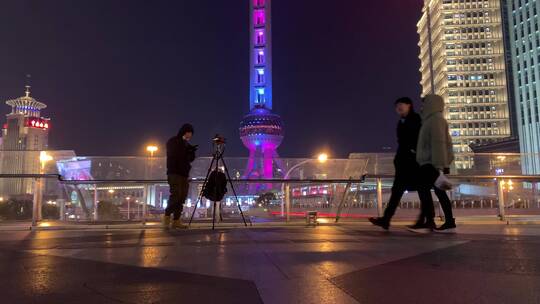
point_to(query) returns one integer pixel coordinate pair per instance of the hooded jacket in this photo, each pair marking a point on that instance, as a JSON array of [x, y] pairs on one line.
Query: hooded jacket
[[180, 155], [434, 141]]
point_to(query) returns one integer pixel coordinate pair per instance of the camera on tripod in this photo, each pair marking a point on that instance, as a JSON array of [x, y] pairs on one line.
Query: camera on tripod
[[214, 186], [219, 140], [219, 145]]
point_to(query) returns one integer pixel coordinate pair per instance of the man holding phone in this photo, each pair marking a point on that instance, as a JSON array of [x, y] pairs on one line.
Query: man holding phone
[[180, 155]]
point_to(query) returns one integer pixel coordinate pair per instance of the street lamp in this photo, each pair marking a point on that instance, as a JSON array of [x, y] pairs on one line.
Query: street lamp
[[503, 186], [149, 190], [152, 149], [44, 157], [507, 185], [128, 208], [321, 158]]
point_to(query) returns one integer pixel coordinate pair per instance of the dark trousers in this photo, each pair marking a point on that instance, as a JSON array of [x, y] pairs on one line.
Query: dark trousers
[[398, 189], [446, 204], [428, 176], [178, 186]]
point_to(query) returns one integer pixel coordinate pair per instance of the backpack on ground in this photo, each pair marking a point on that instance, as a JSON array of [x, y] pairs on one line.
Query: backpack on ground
[[216, 186]]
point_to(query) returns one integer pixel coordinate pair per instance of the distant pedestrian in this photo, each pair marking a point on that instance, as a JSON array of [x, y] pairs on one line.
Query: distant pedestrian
[[406, 167], [180, 155], [434, 155]]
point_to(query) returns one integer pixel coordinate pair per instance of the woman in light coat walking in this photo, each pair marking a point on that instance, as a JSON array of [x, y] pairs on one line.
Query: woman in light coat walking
[[434, 154]]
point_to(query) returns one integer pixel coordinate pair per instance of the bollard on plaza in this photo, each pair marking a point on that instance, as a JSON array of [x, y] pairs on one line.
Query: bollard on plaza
[[148, 191], [500, 187], [36, 202], [95, 203], [62, 204], [288, 202], [379, 197]]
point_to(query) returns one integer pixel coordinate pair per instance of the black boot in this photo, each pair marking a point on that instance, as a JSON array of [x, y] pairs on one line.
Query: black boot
[[381, 222], [449, 226]]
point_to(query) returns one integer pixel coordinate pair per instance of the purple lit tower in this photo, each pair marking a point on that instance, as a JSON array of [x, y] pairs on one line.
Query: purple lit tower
[[261, 131]]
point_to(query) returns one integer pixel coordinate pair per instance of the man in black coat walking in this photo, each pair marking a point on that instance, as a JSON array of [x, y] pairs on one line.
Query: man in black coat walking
[[406, 167], [180, 155]]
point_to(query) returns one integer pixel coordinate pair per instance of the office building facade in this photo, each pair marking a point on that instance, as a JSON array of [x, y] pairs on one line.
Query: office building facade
[[24, 135], [463, 59], [524, 35]]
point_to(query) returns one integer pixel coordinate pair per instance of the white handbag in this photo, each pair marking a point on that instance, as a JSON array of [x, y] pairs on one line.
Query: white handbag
[[443, 182]]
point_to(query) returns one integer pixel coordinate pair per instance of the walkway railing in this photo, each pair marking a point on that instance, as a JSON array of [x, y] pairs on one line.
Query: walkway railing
[[49, 196]]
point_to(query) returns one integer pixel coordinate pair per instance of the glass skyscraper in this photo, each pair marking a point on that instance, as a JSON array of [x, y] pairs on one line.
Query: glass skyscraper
[[524, 36], [463, 58]]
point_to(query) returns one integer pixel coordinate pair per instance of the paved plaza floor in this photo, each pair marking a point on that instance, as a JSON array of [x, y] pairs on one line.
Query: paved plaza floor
[[325, 264]]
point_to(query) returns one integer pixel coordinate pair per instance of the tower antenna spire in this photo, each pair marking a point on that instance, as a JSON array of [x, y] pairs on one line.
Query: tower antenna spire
[[27, 86]]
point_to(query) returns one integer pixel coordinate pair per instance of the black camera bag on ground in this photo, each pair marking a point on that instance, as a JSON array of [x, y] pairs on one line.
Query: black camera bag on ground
[[216, 186]]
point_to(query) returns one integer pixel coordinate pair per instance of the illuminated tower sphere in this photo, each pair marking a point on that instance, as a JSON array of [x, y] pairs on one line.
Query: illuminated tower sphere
[[261, 131]]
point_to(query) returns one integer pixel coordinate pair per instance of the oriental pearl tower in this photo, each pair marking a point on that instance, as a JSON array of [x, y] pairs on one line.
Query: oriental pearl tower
[[261, 130]]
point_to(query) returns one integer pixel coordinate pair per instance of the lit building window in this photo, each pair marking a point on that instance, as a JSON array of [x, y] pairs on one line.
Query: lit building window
[[260, 76], [259, 37], [260, 95], [259, 17], [260, 57]]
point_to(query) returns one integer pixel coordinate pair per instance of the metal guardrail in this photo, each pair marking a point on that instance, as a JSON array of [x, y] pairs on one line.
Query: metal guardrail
[[55, 176], [526, 178], [529, 178], [200, 180], [498, 180]]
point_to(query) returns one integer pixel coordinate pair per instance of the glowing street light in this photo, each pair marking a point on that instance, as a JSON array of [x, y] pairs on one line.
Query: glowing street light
[[152, 149], [44, 157], [322, 158], [507, 185]]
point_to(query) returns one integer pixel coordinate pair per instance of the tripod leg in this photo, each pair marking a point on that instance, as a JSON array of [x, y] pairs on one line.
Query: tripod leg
[[234, 193], [217, 155], [199, 199]]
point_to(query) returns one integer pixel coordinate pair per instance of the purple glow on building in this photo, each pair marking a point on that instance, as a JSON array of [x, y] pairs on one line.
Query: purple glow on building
[[261, 131]]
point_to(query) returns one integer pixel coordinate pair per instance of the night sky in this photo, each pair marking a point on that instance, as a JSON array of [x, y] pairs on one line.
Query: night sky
[[117, 74]]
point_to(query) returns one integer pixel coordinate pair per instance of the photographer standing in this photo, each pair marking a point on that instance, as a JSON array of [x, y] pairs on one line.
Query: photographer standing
[[180, 155]]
